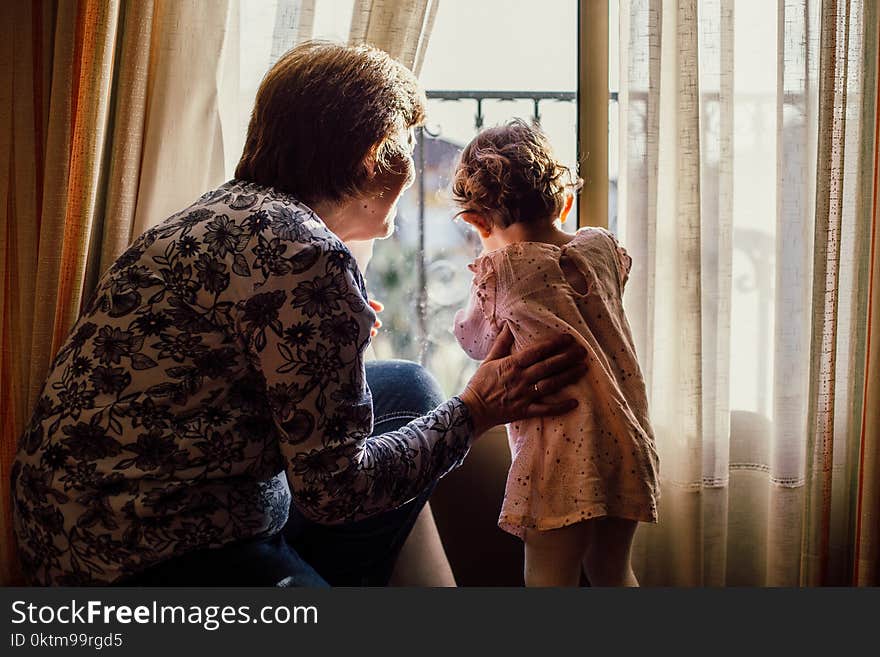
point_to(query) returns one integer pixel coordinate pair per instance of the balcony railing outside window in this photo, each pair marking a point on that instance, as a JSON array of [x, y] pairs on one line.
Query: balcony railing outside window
[[421, 271]]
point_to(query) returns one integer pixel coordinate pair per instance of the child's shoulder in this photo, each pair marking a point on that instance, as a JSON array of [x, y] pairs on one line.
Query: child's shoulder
[[594, 239], [592, 235], [600, 245], [593, 243], [530, 251]]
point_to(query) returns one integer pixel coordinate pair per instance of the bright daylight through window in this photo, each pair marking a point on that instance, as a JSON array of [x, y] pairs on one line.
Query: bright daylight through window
[[486, 62]]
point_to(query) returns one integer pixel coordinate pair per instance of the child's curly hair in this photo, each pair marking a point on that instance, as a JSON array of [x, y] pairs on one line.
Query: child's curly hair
[[509, 174]]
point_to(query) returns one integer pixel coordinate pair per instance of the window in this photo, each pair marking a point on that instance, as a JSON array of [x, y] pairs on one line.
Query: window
[[487, 62]]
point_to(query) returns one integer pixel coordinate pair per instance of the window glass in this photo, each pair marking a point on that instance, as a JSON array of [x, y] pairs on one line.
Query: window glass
[[476, 49]]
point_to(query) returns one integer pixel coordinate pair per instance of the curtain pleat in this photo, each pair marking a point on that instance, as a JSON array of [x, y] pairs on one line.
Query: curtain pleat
[[54, 194], [183, 149], [127, 128], [637, 214], [402, 29], [294, 23], [424, 36], [95, 46], [716, 198], [822, 431], [14, 65], [866, 475], [795, 209], [676, 389], [852, 303]]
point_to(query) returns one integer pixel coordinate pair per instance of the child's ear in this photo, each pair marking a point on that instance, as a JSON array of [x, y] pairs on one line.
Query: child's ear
[[569, 199], [478, 221]]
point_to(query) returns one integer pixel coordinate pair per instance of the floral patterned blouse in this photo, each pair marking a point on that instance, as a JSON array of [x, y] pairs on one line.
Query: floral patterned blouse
[[216, 375]]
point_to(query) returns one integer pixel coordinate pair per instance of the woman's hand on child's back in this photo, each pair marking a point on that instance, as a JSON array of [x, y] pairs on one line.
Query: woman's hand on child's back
[[506, 388]]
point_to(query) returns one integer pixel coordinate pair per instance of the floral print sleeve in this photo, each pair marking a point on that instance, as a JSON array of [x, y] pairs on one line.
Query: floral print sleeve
[[215, 377], [308, 339]]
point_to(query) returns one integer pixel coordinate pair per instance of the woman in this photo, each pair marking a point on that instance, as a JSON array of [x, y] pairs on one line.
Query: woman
[[209, 418]]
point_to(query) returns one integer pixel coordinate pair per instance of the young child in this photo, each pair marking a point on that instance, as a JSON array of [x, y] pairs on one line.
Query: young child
[[580, 483]]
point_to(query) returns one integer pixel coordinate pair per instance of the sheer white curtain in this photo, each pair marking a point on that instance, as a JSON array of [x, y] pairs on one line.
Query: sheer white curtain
[[748, 294], [214, 58]]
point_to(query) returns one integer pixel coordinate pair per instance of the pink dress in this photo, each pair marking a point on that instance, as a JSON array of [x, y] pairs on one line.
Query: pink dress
[[600, 459]]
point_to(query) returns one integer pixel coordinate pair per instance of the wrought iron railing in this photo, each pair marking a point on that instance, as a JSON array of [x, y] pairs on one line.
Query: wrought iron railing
[[479, 97]]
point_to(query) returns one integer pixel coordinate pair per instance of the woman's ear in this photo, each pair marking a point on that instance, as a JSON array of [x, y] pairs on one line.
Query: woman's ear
[[478, 221], [569, 200], [370, 163]]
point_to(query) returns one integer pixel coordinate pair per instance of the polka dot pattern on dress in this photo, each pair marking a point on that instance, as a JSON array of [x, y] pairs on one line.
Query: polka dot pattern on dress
[[599, 459]]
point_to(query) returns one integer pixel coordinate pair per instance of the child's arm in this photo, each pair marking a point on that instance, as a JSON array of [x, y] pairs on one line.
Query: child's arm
[[476, 328]]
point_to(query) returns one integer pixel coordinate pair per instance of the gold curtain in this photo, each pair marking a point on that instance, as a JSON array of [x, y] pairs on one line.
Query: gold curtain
[[90, 149], [59, 74], [866, 477]]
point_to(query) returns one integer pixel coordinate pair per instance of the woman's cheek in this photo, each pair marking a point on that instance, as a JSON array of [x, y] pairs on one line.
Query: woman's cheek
[[400, 178]]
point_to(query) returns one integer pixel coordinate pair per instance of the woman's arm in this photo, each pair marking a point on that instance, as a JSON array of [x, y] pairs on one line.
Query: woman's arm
[[307, 334], [307, 325]]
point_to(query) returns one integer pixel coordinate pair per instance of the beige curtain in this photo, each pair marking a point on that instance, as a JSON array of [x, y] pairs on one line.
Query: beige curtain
[[193, 82], [94, 95], [401, 28], [745, 200]]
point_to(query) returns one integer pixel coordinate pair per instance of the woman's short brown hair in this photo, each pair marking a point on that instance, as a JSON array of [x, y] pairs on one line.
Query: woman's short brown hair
[[322, 112], [509, 173]]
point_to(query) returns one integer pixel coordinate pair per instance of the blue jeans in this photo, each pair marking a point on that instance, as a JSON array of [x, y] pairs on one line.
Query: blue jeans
[[305, 553]]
